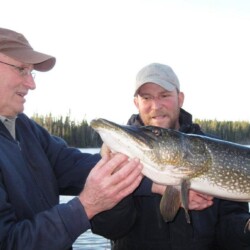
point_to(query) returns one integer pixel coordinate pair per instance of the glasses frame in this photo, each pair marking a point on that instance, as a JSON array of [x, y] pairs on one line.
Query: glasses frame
[[22, 70]]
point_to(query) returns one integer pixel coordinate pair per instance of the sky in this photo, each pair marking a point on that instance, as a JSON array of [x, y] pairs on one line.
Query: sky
[[100, 45]]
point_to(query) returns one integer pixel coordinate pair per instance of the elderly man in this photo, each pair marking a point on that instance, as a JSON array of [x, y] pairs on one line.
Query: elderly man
[[36, 167]]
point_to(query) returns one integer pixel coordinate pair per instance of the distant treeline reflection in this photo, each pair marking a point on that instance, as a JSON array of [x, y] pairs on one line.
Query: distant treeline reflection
[[81, 135]]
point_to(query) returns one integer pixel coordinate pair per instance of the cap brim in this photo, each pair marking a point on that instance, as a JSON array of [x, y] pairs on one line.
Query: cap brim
[[41, 62], [166, 85]]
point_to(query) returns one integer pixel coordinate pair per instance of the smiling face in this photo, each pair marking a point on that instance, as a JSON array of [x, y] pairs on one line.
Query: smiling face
[[15, 83], [159, 107]]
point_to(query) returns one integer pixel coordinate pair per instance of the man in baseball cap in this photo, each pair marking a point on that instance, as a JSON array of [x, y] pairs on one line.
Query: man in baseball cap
[[137, 223]]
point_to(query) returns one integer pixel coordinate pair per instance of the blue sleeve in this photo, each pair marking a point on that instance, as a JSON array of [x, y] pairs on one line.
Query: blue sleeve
[[55, 228], [33, 173]]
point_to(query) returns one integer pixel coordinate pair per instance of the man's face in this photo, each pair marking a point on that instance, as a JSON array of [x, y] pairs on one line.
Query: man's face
[[159, 107], [14, 86]]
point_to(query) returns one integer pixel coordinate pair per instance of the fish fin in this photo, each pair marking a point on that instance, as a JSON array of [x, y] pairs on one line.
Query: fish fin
[[184, 197], [170, 203]]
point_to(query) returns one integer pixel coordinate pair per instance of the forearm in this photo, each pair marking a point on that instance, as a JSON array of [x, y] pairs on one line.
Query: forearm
[[56, 228]]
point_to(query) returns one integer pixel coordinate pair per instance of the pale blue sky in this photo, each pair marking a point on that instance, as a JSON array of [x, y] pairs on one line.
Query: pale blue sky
[[100, 45]]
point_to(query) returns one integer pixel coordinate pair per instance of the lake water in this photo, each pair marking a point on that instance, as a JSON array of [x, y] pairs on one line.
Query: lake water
[[88, 240]]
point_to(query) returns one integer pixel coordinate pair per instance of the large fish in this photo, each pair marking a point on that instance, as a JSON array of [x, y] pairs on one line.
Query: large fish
[[182, 161]]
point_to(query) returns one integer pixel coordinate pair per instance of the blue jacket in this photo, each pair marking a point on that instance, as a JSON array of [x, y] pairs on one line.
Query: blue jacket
[[136, 222], [34, 170]]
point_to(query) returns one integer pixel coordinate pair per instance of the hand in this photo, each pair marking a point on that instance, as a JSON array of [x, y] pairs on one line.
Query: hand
[[198, 201], [113, 178]]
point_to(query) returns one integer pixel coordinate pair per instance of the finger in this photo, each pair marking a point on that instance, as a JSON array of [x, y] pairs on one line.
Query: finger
[[105, 150], [199, 205], [115, 163], [102, 162], [109, 163], [202, 206], [126, 175], [198, 201], [158, 188], [193, 195], [201, 200], [204, 196]]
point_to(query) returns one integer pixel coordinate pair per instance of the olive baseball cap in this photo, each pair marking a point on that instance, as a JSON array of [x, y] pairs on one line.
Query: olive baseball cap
[[157, 73], [16, 46]]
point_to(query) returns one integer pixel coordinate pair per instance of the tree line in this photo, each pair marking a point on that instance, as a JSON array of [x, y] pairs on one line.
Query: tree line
[[234, 131], [76, 134], [81, 135]]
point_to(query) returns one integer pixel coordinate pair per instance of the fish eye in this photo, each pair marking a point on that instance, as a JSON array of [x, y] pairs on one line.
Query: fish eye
[[156, 131]]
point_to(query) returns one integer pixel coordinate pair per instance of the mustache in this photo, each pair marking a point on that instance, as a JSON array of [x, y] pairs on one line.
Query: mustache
[[158, 113]]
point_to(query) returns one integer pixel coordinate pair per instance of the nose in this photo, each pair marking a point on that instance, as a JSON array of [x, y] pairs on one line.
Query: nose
[[156, 103], [29, 82]]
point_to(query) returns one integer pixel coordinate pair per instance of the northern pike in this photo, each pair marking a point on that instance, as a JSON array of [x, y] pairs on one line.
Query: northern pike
[[182, 161]]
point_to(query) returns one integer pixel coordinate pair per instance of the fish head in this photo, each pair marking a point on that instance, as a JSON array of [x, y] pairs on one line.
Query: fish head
[[129, 140], [155, 147]]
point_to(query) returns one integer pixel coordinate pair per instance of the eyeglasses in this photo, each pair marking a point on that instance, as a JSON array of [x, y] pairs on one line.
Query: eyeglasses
[[21, 70]]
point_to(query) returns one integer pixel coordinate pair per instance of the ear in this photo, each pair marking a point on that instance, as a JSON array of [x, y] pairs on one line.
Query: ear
[[181, 98], [136, 102]]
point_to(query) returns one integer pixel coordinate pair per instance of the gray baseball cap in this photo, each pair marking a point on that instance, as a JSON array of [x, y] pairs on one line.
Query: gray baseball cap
[[157, 73]]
